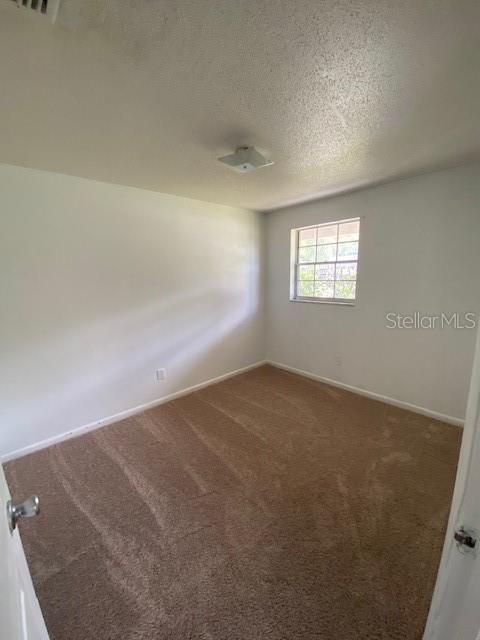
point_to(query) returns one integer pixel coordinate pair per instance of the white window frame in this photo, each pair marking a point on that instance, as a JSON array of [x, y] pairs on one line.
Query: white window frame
[[294, 264]]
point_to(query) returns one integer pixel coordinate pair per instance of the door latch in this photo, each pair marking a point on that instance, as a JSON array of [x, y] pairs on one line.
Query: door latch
[[26, 509], [465, 538]]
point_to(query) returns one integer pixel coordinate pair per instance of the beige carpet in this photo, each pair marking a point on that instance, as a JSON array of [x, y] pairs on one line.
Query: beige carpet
[[265, 507]]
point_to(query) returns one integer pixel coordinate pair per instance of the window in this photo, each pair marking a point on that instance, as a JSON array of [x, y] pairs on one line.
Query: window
[[324, 264]]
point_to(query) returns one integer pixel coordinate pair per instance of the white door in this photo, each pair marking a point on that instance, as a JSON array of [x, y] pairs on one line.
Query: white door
[[455, 609], [20, 614]]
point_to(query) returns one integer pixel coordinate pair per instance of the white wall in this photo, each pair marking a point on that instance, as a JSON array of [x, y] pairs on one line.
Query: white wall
[[101, 284], [419, 251]]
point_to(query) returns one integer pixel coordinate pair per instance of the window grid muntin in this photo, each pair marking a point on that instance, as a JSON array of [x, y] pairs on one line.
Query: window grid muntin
[[327, 262]]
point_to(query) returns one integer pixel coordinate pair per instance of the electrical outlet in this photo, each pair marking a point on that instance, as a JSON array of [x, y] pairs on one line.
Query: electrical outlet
[[338, 360], [161, 374]]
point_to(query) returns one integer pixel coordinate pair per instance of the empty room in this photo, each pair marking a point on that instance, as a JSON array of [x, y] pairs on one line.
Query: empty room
[[240, 297]]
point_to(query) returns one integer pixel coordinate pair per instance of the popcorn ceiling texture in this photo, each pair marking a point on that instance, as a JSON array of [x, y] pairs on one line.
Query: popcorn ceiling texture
[[150, 92], [266, 506]]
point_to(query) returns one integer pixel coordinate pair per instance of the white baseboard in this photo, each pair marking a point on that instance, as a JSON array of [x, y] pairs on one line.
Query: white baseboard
[[177, 394], [370, 394], [78, 431]]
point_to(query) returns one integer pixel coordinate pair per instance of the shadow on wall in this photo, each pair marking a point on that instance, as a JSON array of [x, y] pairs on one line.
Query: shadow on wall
[[106, 284], [194, 336]]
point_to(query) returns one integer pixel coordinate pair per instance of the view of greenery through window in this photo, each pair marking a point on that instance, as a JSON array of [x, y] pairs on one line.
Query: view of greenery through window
[[326, 261]]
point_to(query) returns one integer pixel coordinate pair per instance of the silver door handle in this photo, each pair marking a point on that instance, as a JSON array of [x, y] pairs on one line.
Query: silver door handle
[[26, 509], [465, 538]]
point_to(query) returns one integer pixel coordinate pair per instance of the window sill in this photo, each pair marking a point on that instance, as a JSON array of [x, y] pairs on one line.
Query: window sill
[[342, 303]]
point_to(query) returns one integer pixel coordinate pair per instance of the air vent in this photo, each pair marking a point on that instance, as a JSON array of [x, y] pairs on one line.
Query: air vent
[[44, 8]]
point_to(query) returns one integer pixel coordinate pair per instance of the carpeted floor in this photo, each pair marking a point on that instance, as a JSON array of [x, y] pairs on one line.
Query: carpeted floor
[[267, 506]]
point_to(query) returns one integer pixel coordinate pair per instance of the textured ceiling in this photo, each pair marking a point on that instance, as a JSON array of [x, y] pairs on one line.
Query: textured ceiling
[[150, 92]]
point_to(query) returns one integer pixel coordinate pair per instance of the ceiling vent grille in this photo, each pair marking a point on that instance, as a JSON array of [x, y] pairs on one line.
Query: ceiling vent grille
[[45, 8]]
